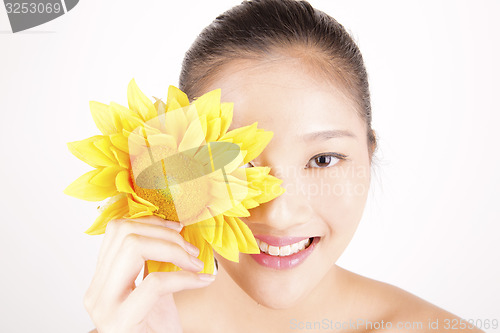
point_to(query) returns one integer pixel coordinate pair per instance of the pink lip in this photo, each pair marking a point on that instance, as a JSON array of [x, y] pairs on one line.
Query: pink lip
[[277, 262]]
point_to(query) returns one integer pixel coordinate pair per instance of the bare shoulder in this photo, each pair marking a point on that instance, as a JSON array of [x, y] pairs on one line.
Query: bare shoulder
[[401, 311]]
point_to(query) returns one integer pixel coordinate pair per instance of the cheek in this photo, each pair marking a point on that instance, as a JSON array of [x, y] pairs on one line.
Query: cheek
[[338, 196]]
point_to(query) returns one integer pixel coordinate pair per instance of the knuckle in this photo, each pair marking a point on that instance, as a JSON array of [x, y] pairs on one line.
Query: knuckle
[[176, 237], [131, 241], [176, 248], [153, 278], [153, 281], [88, 301], [113, 225], [125, 228]]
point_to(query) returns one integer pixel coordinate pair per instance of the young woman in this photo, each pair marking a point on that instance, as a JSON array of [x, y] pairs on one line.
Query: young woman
[[297, 72]]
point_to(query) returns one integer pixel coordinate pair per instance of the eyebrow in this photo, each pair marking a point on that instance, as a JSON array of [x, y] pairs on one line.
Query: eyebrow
[[328, 134]]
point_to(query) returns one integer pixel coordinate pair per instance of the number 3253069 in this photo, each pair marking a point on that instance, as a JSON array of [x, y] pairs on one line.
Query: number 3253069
[[32, 7]]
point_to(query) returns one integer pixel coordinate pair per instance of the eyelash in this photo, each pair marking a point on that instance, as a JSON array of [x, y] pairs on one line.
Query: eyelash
[[335, 155]]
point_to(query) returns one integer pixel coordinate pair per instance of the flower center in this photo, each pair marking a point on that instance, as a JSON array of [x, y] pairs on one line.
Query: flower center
[[172, 181]]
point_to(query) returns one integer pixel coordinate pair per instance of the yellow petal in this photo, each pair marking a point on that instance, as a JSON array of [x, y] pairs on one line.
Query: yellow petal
[[224, 191], [202, 156], [139, 103], [157, 266], [114, 211], [192, 235], [138, 207], [83, 189], [141, 214], [143, 202], [104, 144], [103, 117], [252, 193], [123, 182], [193, 137], [229, 248], [206, 228], [191, 113], [218, 230], [237, 211], [213, 129], [235, 162], [173, 105], [260, 142], [242, 135], [119, 141], [106, 176], [162, 140], [86, 151], [160, 106], [178, 95], [122, 158], [176, 124], [250, 203], [219, 151], [256, 173], [243, 234], [270, 189], [209, 104], [127, 119], [207, 256], [226, 114]]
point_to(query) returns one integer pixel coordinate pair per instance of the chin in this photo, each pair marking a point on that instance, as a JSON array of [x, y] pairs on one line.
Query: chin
[[277, 300], [275, 289]]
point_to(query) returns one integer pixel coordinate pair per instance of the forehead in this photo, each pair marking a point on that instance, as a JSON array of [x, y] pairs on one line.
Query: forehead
[[285, 97]]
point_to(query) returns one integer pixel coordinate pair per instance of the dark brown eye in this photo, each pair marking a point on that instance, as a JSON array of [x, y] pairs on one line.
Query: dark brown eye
[[325, 160]]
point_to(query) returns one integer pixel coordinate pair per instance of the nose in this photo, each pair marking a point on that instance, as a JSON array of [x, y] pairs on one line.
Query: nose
[[284, 213]]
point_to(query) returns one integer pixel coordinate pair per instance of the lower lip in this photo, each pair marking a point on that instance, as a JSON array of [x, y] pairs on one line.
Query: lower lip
[[287, 262]]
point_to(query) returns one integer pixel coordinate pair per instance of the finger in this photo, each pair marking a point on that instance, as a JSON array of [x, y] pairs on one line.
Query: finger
[[115, 224], [158, 285], [129, 261], [153, 219], [117, 230], [153, 231]]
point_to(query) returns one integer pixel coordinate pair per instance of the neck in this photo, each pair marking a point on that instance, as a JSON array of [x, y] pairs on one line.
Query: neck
[[233, 302]]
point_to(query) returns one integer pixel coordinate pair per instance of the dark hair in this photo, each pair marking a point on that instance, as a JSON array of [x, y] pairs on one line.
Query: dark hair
[[258, 29]]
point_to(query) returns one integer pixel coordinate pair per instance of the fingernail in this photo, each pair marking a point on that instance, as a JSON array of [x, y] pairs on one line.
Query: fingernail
[[198, 262], [193, 250], [206, 277]]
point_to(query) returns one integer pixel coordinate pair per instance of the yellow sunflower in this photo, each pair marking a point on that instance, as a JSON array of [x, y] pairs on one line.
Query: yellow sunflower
[[176, 160]]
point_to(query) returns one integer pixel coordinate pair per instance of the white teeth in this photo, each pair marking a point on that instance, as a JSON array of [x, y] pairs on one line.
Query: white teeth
[[263, 246], [273, 250], [283, 251]]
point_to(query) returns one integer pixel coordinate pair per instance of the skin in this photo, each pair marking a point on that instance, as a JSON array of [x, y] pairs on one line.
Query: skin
[[287, 97], [322, 198]]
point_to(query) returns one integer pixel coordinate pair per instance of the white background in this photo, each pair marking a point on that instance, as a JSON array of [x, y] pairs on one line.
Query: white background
[[431, 225]]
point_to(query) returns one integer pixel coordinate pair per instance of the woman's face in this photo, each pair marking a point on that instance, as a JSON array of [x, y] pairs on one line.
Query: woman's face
[[314, 124]]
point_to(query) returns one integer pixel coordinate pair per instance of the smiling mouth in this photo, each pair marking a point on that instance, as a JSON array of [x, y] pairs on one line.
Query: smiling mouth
[[286, 250]]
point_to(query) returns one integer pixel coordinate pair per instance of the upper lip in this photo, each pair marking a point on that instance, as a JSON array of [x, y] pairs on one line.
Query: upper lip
[[279, 241]]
